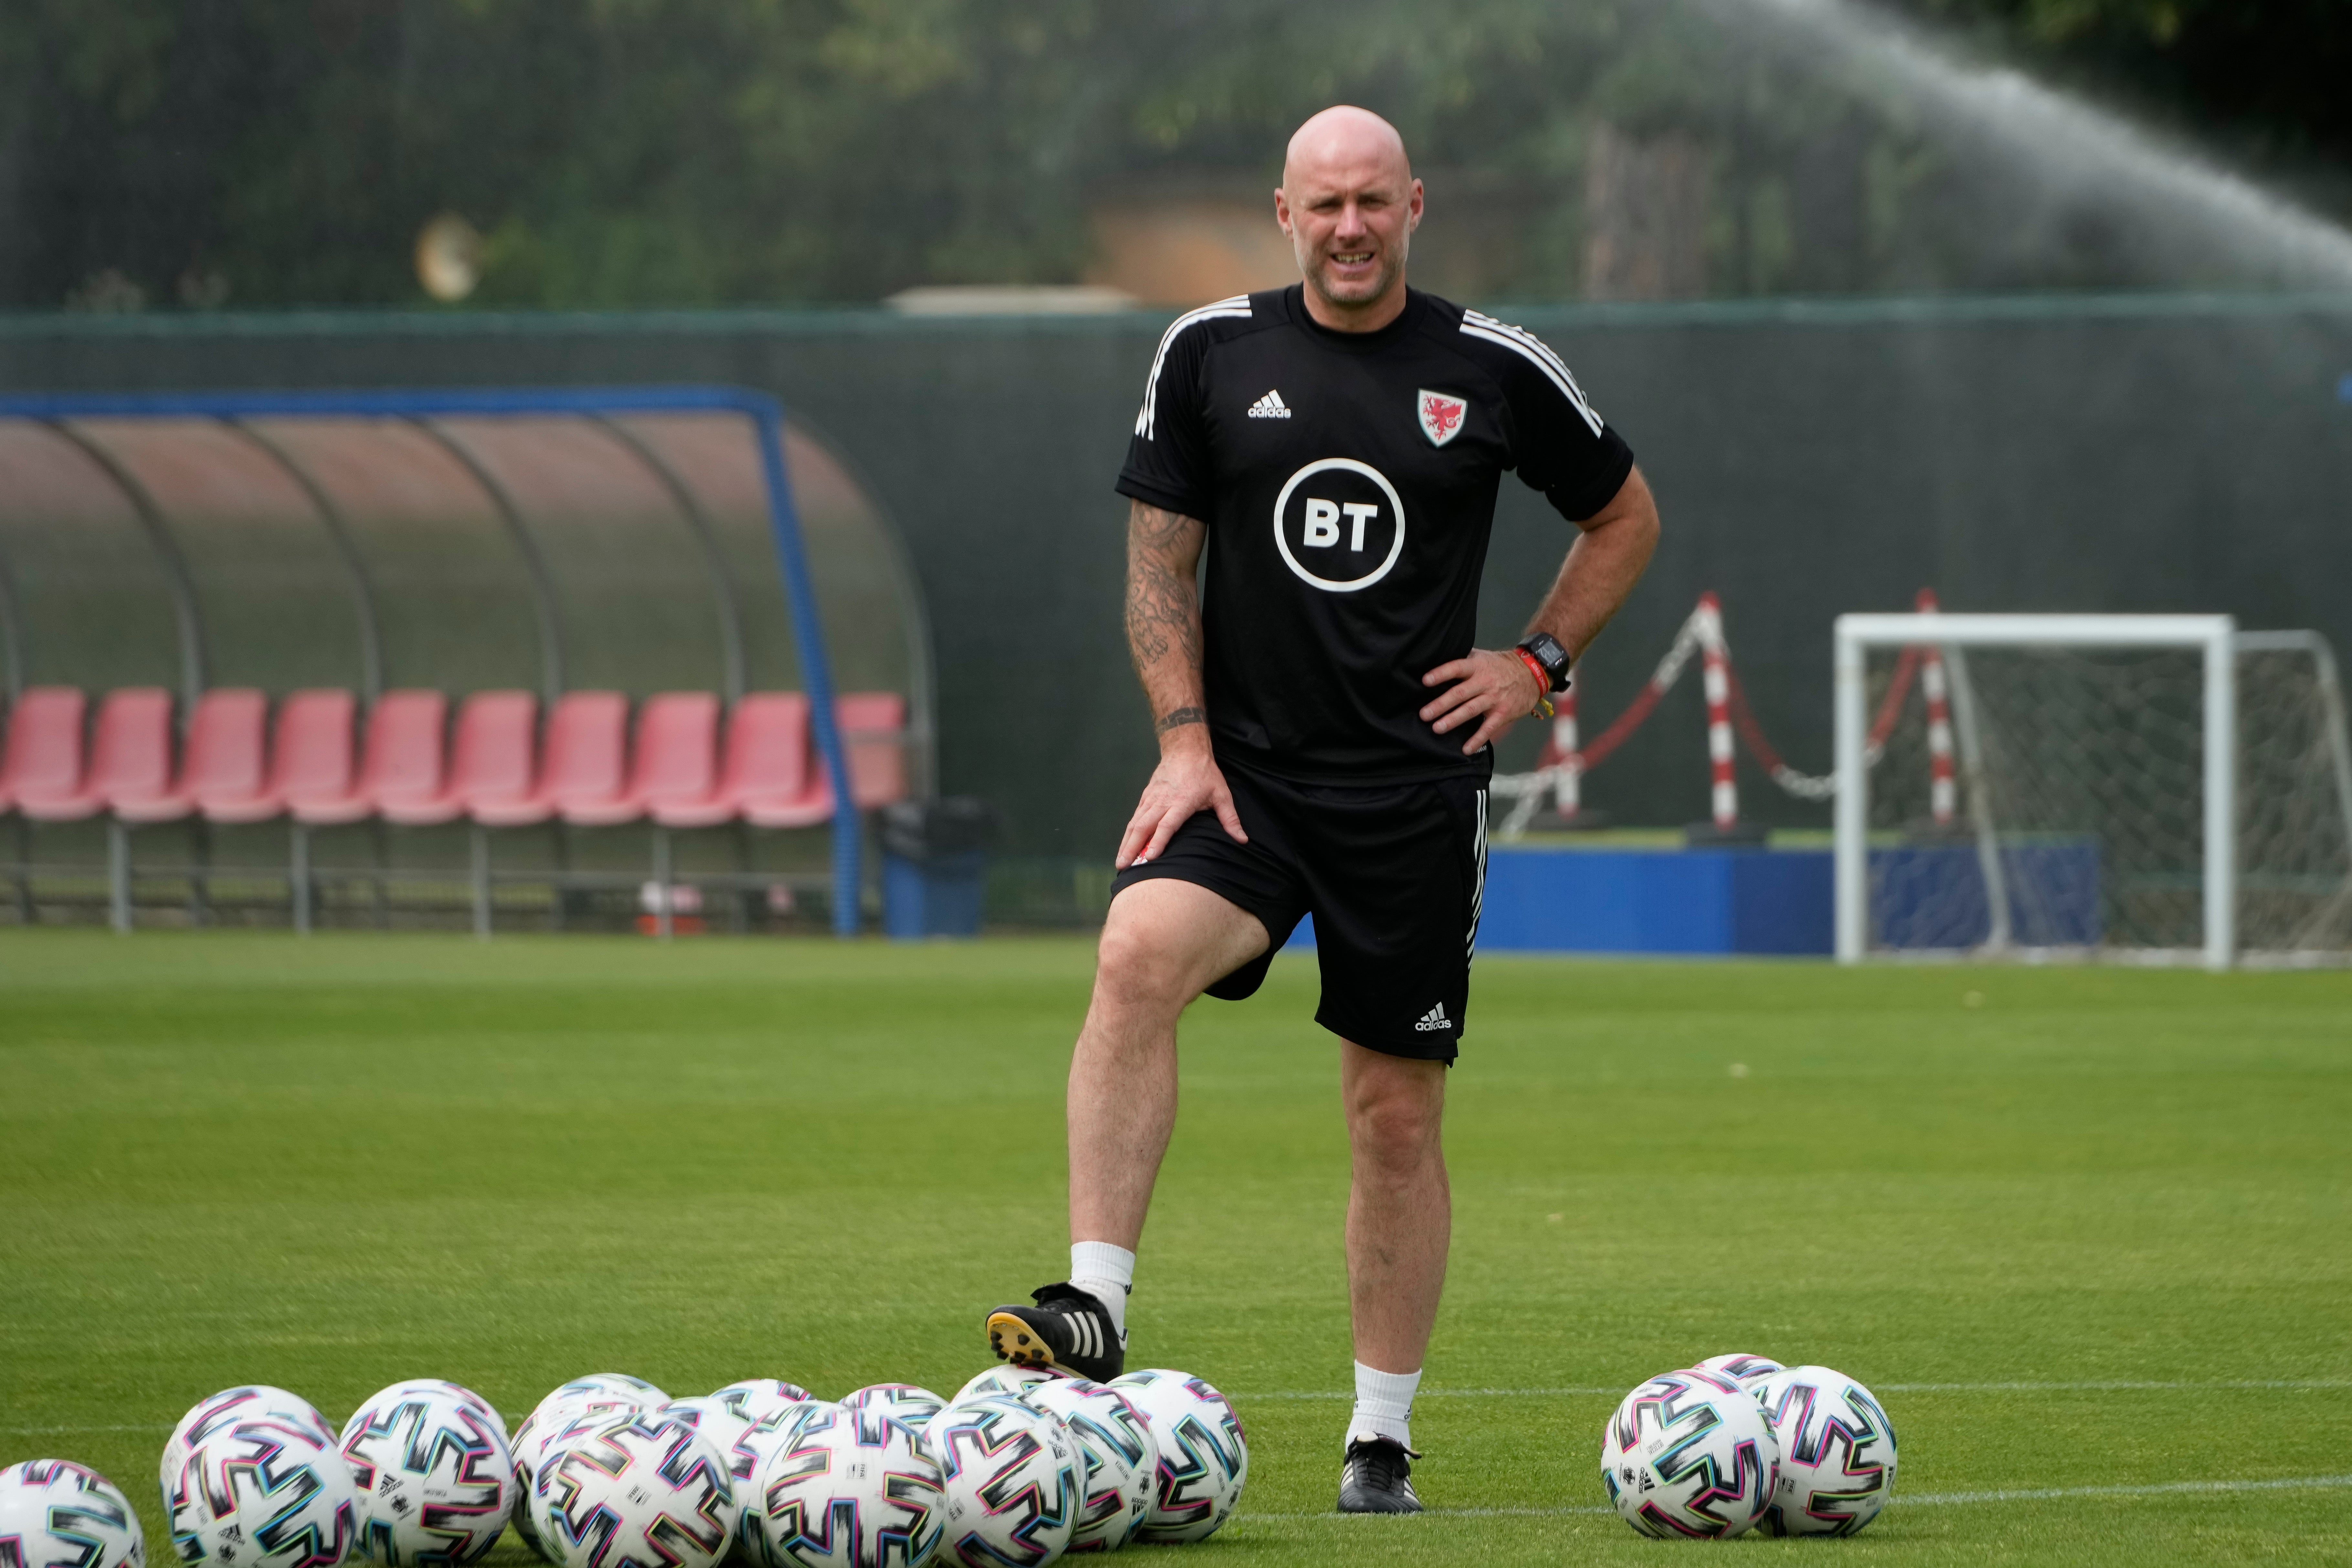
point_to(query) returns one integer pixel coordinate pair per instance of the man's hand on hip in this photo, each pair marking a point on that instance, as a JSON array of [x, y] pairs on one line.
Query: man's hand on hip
[[1187, 782], [1496, 688]]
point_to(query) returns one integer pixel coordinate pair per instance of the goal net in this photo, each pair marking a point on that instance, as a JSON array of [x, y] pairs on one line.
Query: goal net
[[2155, 788]]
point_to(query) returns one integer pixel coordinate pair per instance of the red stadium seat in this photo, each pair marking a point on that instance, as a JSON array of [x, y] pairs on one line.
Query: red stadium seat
[[874, 728], [312, 770], [406, 743], [585, 762], [871, 723], [225, 774], [490, 764], [130, 755], [44, 772], [130, 762], [767, 766], [676, 761]]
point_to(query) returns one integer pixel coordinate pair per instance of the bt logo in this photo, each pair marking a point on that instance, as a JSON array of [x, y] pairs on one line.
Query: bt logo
[[1348, 534]]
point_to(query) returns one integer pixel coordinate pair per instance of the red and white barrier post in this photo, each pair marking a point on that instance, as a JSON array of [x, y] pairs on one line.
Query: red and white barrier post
[[1943, 792], [1717, 673], [1568, 792]]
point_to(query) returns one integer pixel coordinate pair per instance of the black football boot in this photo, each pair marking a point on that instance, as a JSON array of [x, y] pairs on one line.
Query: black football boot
[[1375, 1479], [1067, 1328]]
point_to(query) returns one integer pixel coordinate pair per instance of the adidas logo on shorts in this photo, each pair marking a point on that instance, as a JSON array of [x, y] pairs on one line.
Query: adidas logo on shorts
[[1270, 406], [1434, 1019]]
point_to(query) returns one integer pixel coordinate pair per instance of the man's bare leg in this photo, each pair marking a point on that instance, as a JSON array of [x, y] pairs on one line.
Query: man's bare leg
[[1163, 943], [1400, 1221]]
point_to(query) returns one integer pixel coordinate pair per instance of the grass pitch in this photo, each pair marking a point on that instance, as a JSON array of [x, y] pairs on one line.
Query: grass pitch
[[2079, 1229]]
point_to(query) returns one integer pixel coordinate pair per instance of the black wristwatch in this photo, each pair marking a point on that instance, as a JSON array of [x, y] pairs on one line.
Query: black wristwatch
[[1545, 650]]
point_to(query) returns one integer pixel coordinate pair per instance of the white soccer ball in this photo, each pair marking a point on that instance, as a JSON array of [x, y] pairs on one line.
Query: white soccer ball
[[1114, 1436], [1007, 1378], [767, 1435], [433, 1475], [1013, 1479], [845, 1488], [607, 1394], [1741, 1367], [263, 1493], [56, 1514], [231, 1406], [908, 1403], [1689, 1454], [756, 1397], [634, 1490], [1204, 1455], [1837, 1452]]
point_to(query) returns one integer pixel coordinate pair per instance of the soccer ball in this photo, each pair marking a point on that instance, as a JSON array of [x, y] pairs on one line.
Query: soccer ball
[[845, 1488], [231, 1406], [1203, 1457], [1688, 1453], [1122, 1462], [55, 1514], [607, 1394], [433, 1477], [752, 1449], [756, 1397], [1011, 1380], [914, 1405], [1837, 1452], [1013, 1482], [635, 1490], [1741, 1367], [263, 1493]]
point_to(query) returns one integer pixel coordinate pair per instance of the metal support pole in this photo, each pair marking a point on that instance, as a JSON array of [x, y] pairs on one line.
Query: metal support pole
[[481, 867], [299, 867], [1853, 807], [339, 533], [186, 609], [2222, 796], [25, 870], [816, 674], [118, 874]]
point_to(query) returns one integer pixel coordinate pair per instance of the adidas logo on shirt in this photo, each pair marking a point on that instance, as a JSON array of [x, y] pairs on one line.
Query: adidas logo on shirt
[[1434, 1019], [1270, 406]]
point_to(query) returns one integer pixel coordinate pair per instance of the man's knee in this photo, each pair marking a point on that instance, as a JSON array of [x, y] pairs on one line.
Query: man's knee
[[1136, 967], [1165, 941]]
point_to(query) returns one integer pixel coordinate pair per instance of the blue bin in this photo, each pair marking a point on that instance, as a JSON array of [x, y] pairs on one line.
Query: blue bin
[[940, 896]]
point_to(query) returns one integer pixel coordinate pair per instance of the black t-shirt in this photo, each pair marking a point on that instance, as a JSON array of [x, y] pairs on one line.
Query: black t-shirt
[[1347, 481]]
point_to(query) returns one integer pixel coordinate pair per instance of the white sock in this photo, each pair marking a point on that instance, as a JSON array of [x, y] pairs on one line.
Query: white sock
[[1383, 1404], [1107, 1274]]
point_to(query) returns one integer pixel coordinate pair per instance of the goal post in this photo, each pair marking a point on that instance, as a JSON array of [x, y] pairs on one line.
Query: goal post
[[2210, 640]]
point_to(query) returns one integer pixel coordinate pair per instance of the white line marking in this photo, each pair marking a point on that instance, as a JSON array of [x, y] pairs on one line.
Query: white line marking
[[2105, 1386], [1923, 1500]]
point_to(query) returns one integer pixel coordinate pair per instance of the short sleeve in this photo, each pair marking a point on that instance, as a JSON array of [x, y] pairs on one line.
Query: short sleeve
[[1559, 444], [1168, 459]]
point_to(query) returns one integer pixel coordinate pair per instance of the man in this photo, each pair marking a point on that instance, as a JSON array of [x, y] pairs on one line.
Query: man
[[1324, 729]]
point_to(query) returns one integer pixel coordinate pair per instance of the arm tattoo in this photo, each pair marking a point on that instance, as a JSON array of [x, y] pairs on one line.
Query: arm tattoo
[[1163, 612], [1180, 718]]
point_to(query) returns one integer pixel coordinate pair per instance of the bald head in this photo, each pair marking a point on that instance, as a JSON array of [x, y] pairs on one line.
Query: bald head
[[1343, 141], [1349, 203]]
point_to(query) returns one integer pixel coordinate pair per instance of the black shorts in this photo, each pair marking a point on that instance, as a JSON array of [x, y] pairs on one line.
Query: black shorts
[[1392, 873]]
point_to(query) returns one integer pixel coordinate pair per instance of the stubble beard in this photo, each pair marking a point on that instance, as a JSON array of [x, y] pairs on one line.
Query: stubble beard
[[1381, 283]]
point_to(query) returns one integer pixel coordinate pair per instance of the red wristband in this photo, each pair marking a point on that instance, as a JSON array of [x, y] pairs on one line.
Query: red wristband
[[1543, 682]]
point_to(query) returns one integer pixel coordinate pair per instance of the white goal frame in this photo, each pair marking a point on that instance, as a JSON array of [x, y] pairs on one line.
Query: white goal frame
[[2215, 635]]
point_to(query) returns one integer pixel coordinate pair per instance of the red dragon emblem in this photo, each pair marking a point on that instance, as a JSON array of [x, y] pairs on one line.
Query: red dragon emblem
[[1440, 416]]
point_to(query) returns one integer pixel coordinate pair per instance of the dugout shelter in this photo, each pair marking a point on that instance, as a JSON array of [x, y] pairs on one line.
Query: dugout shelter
[[588, 648]]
